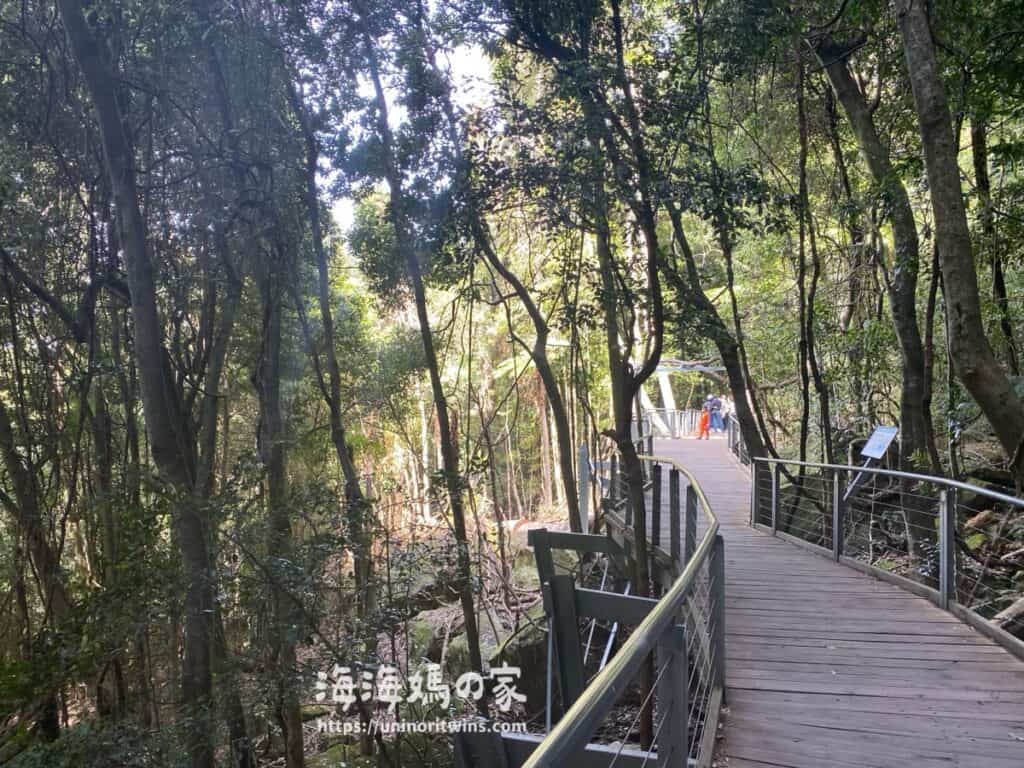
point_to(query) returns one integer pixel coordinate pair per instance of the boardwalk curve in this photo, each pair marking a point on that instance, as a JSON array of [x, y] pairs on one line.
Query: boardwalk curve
[[831, 667]]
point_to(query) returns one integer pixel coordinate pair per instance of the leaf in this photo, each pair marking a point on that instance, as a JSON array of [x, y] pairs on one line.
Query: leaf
[[976, 541]]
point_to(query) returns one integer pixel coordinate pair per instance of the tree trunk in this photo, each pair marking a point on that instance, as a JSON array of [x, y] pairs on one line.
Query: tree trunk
[[272, 437], [359, 507], [688, 286], [449, 449], [914, 418], [546, 486], [852, 311], [169, 440], [807, 229], [979, 155], [972, 354]]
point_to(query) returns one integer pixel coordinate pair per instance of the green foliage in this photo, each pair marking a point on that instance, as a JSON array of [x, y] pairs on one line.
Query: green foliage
[[372, 240], [105, 746]]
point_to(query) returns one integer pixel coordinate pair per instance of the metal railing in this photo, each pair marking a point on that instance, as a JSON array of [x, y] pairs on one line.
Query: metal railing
[[671, 422], [956, 544], [685, 630], [734, 436]]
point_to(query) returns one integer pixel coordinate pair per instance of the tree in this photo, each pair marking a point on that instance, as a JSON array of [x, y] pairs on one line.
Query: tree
[[970, 349]]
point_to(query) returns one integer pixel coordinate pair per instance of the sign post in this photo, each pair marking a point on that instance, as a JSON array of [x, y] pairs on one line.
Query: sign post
[[873, 451]]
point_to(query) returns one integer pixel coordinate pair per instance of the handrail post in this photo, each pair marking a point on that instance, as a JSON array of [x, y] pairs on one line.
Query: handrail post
[[672, 690], [837, 513], [947, 547], [690, 537], [755, 492], [562, 596], [775, 498], [675, 548], [656, 504], [539, 539], [717, 565]]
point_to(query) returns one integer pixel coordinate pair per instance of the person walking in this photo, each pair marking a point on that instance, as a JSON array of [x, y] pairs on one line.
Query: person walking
[[705, 423], [717, 422]]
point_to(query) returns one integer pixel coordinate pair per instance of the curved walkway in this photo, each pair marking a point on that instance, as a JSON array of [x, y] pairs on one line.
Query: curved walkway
[[830, 667]]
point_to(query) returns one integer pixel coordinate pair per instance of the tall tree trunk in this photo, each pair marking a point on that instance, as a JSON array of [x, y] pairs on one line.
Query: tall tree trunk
[[272, 442], [103, 444], [972, 354], [914, 429], [688, 285], [979, 155], [852, 311], [169, 440], [801, 272], [546, 485], [807, 230], [359, 507], [132, 479], [449, 449], [485, 242], [539, 354]]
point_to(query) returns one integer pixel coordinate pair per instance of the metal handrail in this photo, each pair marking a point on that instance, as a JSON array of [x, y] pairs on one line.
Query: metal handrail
[[937, 479], [574, 729], [947, 538]]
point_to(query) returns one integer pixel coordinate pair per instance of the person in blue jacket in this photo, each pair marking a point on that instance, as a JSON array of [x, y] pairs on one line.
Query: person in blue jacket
[[714, 404]]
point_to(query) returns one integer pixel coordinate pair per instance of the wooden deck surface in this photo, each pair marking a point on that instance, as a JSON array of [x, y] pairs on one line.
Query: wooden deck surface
[[830, 667]]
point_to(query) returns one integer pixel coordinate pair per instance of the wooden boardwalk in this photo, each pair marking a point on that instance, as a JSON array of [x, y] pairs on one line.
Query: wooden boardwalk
[[830, 667]]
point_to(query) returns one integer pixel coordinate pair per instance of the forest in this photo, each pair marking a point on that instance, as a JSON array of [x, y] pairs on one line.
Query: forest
[[307, 308]]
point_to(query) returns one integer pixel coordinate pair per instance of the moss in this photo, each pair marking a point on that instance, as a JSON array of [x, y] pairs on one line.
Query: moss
[[341, 756], [313, 711]]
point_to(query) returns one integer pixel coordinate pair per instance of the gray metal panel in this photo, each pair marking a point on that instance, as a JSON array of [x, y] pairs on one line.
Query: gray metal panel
[[611, 606], [516, 748]]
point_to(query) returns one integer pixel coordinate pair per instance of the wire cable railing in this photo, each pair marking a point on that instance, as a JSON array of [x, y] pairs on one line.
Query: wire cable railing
[[670, 423], [956, 544], [684, 631]]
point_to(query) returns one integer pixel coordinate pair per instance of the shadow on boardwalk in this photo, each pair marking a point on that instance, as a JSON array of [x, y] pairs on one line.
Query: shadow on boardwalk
[[830, 667]]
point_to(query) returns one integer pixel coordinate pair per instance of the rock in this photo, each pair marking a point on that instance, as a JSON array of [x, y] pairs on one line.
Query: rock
[[519, 530], [313, 711], [524, 566], [422, 576], [527, 649], [427, 631], [1012, 618], [981, 519], [333, 757], [457, 660]]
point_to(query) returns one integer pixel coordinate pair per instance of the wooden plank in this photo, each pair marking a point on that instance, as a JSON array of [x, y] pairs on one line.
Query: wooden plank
[[873, 745], [939, 726], [830, 666]]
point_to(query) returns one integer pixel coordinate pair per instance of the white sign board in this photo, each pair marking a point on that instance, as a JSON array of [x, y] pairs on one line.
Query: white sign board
[[879, 442]]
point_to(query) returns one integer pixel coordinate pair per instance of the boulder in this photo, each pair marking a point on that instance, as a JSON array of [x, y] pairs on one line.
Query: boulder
[[527, 649], [457, 660], [427, 631], [524, 566], [980, 520]]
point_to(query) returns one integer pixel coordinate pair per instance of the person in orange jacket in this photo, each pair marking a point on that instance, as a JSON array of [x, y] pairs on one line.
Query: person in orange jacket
[[705, 424]]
